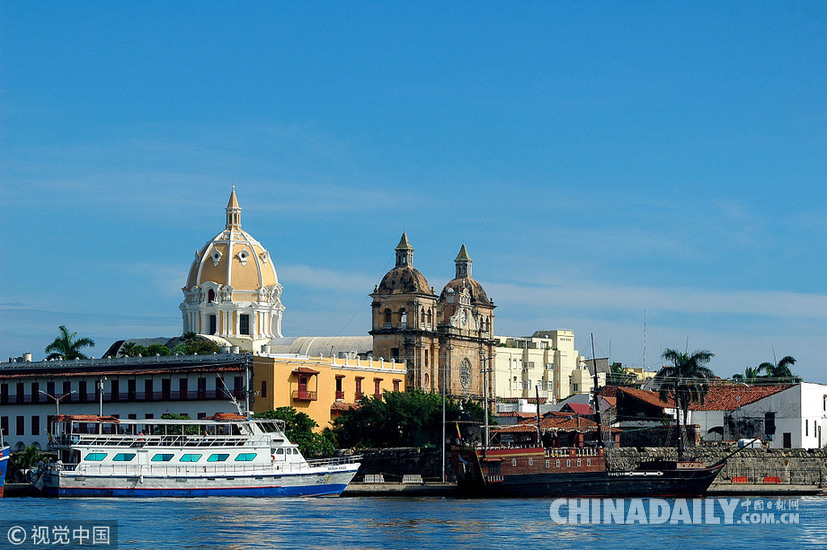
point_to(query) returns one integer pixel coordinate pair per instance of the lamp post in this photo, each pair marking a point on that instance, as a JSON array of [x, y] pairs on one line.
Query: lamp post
[[57, 399]]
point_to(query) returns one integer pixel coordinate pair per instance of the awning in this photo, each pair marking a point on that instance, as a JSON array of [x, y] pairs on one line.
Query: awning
[[305, 370]]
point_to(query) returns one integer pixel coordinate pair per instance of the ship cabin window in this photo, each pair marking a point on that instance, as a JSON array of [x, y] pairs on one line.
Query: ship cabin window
[[588, 462], [123, 457], [558, 462], [568, 463], [579, 462], [95, 457], [219, 457], [190, 458], [513, 461], [162, 458], [245, 457], [531, 462], [548, 463]]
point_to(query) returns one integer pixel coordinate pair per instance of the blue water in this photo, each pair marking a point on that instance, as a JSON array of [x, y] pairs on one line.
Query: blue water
[[342, 523]]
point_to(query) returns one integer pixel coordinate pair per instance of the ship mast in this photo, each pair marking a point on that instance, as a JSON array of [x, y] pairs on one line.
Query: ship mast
[[596, 397]]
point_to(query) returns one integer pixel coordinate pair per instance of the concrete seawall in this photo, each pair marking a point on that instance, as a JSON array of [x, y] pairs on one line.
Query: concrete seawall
[[768, 471], [750, 471]]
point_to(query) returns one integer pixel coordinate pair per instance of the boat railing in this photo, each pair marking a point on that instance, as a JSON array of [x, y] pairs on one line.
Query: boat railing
[[336, 460], [204, 470], [140, 440]]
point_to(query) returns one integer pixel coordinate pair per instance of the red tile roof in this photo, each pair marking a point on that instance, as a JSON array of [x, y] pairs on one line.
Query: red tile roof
[[731, 396], [579, 408], [647, 396]]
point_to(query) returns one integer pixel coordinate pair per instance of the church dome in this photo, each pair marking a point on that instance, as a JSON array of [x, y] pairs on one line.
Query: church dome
[[232, 289], [233, 258], [404, 278], [463, 280], [478, 295]]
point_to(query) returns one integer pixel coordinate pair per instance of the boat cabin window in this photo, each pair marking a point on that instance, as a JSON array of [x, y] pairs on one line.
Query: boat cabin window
[[245, 457], [162, 458], [218, 457], [190, 458], [123, 457], [279, 451], [95, 457]]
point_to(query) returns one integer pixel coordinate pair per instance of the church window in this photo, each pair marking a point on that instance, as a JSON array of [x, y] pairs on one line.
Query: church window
[[387, 320], [210, 296], [244, 324], [213, 324], [403, 318]]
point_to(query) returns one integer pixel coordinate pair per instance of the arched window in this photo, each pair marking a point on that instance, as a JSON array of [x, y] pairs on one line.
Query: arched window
[[211, 296], [387, 320], [403, 318]]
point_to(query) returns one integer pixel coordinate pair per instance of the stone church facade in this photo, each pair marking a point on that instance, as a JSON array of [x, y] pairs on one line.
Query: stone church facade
[[446, 339]]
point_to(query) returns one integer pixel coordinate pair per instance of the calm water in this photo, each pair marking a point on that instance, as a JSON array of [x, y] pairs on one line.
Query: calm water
[[338, 523]]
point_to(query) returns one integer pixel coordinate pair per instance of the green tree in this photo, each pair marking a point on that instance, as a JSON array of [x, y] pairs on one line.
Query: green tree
[[749, 376], [157, 349], [298, 428], [192, 343], [780, 370], [67, 346], [400, 419], [128, 349], [620, 377], [686, 381], [28, 457]]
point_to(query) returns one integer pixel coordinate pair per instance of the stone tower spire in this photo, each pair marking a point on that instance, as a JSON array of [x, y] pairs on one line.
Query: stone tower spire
[[463, 262], [233, 212], [404, 252]]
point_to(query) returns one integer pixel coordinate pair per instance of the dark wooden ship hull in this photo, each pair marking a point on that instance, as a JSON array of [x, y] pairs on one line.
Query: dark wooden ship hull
[[538, 472]]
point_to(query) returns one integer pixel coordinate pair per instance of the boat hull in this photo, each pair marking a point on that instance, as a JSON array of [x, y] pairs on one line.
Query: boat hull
[[541, 479], [4, 464], [69, 484]]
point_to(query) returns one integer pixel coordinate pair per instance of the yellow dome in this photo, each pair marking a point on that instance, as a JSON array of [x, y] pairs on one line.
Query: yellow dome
[[232, 288], [233, 258]]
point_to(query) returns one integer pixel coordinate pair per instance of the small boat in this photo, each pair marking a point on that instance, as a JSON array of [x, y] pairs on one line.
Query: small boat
[[221, 455], [4, 463], [573, 472]]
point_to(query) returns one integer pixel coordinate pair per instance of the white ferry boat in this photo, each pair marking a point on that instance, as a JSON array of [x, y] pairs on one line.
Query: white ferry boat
[[226, 454]]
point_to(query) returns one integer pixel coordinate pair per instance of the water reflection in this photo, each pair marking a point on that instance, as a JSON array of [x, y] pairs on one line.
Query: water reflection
[[336, 523]]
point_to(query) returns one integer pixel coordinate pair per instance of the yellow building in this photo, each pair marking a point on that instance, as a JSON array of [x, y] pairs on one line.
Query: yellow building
[[321, 387]]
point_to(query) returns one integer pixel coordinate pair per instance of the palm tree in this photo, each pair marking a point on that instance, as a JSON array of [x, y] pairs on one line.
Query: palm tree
[[780, 370], [67, 345], [687, 381], [750, 374], [128, 349]]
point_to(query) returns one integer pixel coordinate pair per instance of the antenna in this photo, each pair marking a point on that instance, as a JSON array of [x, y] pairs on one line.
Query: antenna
[[644, 340], [230, 394]]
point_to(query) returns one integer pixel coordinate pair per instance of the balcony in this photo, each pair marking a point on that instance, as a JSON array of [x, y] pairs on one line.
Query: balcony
[[340, 395], [304, 395]]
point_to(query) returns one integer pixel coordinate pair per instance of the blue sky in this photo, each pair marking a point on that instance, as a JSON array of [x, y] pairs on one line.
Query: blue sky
[[598, 159]]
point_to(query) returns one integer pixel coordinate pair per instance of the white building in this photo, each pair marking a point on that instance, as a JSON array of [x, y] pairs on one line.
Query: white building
[[133, 387], [546, 360], [799, 412]]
